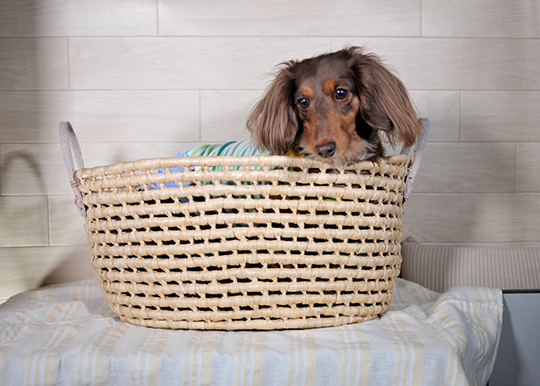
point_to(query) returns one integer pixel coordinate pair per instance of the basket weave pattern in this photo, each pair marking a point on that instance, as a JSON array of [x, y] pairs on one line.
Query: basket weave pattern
[[245, 242]]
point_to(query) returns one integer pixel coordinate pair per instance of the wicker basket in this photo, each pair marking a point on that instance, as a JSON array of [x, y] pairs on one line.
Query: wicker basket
[[264, 242]]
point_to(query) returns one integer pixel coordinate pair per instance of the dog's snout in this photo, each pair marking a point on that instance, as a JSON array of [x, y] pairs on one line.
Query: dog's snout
[[326, 150]]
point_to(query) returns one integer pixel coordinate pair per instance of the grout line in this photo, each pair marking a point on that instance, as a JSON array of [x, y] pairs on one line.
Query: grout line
[[157, 18], [68, 65], [410, 89], [459, 114], [421, 18], [515, 166], [365, 37], [1, 166], [49, 232], [200, 116]]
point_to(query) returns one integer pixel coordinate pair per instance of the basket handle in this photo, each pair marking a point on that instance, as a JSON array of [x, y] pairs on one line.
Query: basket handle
[[418, 153], [71, 149]]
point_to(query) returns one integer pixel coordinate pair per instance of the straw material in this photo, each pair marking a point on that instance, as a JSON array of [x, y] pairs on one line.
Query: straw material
[[262, 242]]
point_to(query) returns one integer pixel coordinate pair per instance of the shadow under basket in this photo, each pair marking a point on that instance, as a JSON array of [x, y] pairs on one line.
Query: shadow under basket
[[245, 242]]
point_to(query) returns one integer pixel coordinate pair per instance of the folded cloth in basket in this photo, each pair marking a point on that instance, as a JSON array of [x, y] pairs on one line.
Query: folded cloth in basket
[[242, 148], [233, 148]]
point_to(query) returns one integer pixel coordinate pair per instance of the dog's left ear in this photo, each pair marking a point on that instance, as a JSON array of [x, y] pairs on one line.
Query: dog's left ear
[[384, 100], [273, 122]]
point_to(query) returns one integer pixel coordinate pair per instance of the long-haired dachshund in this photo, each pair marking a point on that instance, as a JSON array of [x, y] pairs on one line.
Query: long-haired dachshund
[[332, 107]]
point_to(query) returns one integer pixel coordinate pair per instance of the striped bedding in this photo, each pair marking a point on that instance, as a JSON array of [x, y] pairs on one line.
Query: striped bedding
[[67, 335], [440, 267]]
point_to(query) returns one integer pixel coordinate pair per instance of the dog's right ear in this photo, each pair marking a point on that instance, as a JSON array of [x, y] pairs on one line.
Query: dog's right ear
[[273, 122], [384, 101]]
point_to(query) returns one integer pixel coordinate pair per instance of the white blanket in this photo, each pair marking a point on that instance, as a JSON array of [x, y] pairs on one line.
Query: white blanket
[[67, 335]]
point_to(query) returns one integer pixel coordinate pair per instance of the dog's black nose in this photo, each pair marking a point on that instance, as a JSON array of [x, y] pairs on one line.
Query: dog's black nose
[[327, 150]]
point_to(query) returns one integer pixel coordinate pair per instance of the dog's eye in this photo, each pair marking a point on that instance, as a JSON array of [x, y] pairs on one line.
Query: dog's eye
[[303, 103], [341, 94]]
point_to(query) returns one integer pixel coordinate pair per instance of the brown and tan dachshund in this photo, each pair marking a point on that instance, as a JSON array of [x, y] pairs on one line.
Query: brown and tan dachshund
[[332, 107]]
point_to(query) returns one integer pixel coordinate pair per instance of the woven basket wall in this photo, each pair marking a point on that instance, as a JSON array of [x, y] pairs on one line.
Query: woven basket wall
[[245, 242]]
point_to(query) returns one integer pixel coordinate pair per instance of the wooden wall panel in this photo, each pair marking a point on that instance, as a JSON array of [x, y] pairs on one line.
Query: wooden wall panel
[[151, 78]]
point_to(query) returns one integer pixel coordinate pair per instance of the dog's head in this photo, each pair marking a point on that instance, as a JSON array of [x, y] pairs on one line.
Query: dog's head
[[332, 106]]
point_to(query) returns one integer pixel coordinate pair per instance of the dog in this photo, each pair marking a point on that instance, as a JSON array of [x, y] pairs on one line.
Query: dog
[[332, 107]]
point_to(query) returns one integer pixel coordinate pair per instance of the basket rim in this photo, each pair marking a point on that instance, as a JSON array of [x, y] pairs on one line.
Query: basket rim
[[270, 160]]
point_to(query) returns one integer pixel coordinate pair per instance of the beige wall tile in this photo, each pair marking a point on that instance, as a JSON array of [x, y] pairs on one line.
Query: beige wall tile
[[224, 114], [442, 110], [149, 78], [33, 63], [29, 169], [458, 64], [23, 221], [66, 224], [28, 268], [39, 168], [467, 168], [528, 167], [101, 116], [186, 63], [473, 218], [286, 18], [481, 18], [75, 264], [77, 18], [500, 116]]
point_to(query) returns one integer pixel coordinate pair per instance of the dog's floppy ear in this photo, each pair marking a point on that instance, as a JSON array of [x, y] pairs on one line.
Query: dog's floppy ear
[[384, 100], [273, 122]]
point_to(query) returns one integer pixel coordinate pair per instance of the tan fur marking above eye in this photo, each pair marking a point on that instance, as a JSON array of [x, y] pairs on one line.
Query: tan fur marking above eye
[[329, 87], [307, 91]]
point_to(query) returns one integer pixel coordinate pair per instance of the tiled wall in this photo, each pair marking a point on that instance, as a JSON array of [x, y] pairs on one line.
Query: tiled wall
[[148, 78]]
